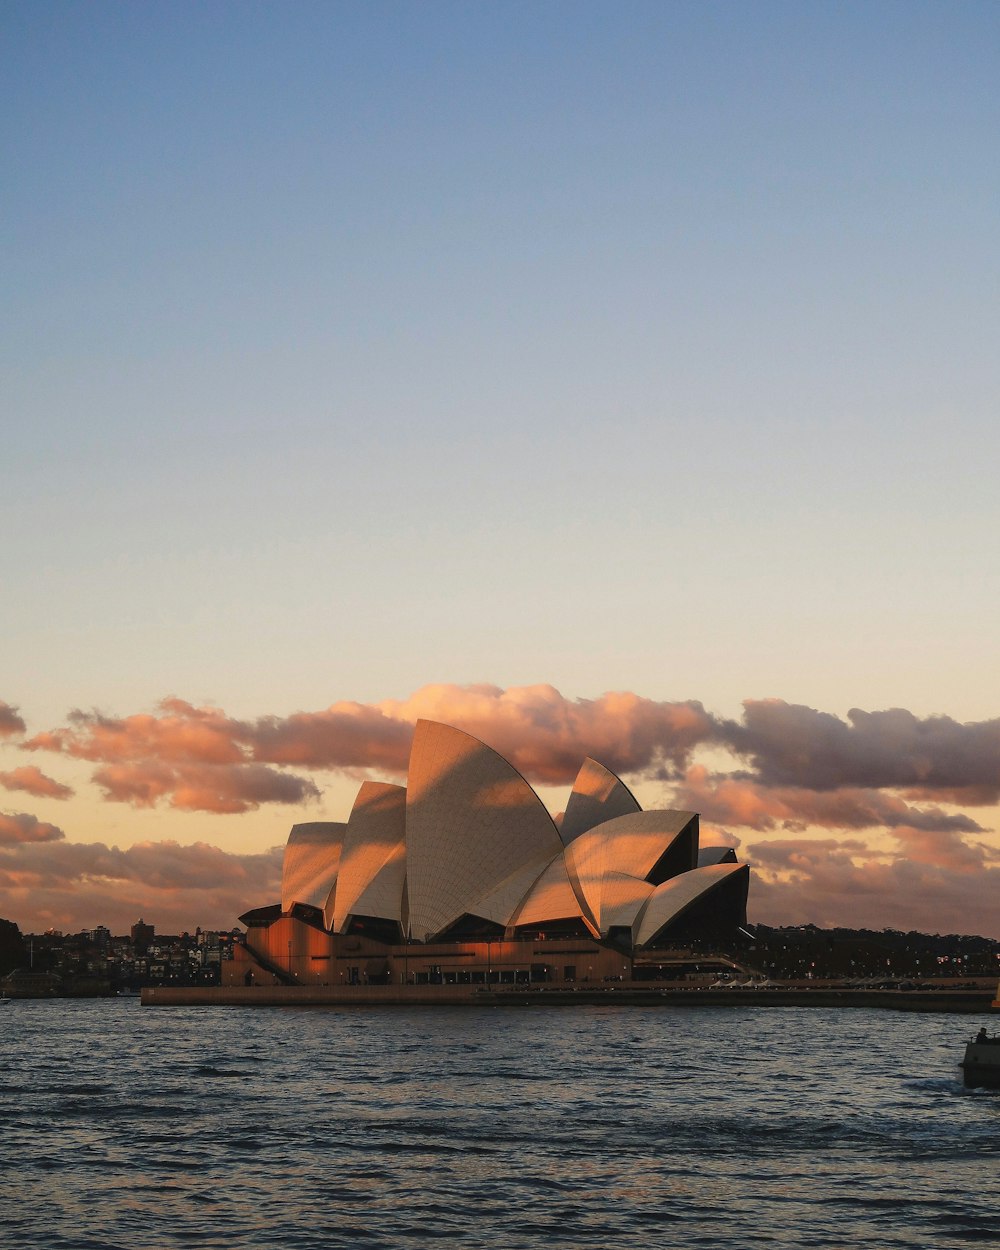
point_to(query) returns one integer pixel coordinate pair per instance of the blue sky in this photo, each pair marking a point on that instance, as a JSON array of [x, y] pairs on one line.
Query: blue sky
[[353, 347]]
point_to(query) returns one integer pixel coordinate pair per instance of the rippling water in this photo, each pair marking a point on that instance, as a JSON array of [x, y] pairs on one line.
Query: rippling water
[[129, 1127]]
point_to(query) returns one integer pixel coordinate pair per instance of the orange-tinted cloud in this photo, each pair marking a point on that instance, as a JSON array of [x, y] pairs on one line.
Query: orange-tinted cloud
[[180, 733], [829, 883], [21, 827], [792, 745], [11, 723], [345, 735], [195, 759], [944, 850], [542, 733], [805, 768], [222, 789], [71, 886], [33, 781], [545, 735], [735, 800]]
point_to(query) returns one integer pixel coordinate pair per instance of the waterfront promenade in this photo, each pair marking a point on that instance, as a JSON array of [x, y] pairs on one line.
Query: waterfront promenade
[[964, 1001]]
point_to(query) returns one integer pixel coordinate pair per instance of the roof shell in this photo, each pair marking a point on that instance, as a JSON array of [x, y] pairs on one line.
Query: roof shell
[[373, 859], [597, 795], [632, 846], [503, 901], [472, 822], [675, 896], [715, 855], [622, 901], [310, 864], [552, 897]]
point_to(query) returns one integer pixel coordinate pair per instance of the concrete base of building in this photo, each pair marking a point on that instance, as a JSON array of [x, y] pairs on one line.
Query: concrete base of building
[[966, 1002]]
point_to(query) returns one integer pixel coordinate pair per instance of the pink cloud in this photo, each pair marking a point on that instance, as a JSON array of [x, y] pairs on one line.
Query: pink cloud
[[71, 886], [11, 723], [735, 800], [21, 827], [543, 734], [195, 759], [789, 744], [180, 733], [947, 850], [345, 735], [221, 789], [831, 888], [33, 781]]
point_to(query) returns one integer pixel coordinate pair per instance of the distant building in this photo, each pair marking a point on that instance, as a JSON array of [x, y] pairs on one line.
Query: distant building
[[142, 935], [463, 876]]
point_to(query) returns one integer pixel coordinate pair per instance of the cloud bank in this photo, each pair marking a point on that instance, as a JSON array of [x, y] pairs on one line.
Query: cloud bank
[[17, 828], [884, 785], [788, 744], [545, 735], [72, 886]]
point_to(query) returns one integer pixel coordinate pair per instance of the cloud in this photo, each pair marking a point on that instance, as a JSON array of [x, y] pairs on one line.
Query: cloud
[[33, 781], [221, 789], [195, 759], [73, 885], [11, 723], [21, 827], [800, 769], [829, 883], [346, 735], [947, 850], [792, 745], [180, 733], [544, 735], [734, 800]]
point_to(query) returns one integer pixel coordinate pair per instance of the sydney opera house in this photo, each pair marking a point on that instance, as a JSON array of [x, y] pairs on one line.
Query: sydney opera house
[[463, 877]]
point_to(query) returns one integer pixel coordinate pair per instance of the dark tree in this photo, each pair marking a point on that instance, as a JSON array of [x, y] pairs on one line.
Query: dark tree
[[12, 951]]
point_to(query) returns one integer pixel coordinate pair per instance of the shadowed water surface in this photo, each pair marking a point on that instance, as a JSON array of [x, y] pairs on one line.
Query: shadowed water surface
[[126, 1128]]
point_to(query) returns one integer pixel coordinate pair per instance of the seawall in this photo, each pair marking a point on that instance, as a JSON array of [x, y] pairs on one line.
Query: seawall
[[964, 1002]]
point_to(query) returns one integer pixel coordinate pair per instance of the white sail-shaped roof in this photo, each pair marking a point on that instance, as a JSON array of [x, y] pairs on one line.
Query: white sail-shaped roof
[[632, 845], [309, 868], [598, 795], [472, 821], [373, 860], [708, 855], [622, 900], [469, 838], [669, 900], [552, 897], [500, 903]]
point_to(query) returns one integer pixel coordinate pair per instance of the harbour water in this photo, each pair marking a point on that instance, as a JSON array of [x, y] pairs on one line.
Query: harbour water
[[130, 1128]]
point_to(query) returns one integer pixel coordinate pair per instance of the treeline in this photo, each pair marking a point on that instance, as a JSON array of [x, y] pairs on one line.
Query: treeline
[[12, 950], [805, 950]]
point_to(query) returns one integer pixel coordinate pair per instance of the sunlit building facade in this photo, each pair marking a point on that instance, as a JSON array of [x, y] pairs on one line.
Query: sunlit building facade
[[463, 876]]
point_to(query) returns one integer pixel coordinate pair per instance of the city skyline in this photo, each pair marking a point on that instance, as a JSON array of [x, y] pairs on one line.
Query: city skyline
[[602, 380]]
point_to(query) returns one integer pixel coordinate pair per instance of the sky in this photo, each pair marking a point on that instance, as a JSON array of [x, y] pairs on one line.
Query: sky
[[611, 379]]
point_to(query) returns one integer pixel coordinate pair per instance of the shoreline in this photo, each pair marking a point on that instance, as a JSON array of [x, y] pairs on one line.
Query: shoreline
[[957, 1002]]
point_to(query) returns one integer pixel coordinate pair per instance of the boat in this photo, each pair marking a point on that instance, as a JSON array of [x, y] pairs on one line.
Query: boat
[[981, 1065]]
